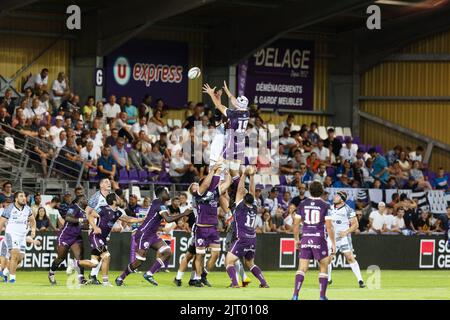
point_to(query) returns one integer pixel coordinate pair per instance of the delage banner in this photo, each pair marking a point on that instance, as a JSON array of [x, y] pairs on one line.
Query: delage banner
[[280, 76], [158, 68]]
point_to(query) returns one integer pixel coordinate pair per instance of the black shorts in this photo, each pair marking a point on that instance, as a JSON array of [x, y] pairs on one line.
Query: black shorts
[[99, 251], [191, 248]]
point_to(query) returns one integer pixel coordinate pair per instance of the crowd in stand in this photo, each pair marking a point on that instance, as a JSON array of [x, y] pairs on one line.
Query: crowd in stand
[[105, 138]]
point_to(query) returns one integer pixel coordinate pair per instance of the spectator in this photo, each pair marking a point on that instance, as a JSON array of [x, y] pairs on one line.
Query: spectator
[[287, 142], [404, 163], [388, 220], [284, 204], [43, 151], [61, 141], [155, 156], [120, 155], [391, 184], [53, 212], [37, 111], [90, 110], [111, 109], [140, 161], [141, 126], [181, 170], [59, 87], [89, 156], [278, 220], [417, 174], [37, 82], [398, 224], [144, 108], [107, 165], [377, 224], [8, 102], [112, 139], [393, 155], [6, 192], [267, 222], [156, 124], [190, 121], [332, 143], [312, 133], [70, 106], [57, 128], [328, 182], [342, 182], [287, 123], [417, 155], [306, 143], [5, 119], [321, 173], [301, 195], [69, 160], [441, 180], [43, 223], [132, 111], [323, 154], [347, 153], [304, 174], [271, 202], [312, 162], [424, 223], [379, 165], [37, 204]]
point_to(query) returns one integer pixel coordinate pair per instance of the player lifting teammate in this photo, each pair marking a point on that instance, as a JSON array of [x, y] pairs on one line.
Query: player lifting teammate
[[245, 244], [313, 213], [146, 237], [344, 223]]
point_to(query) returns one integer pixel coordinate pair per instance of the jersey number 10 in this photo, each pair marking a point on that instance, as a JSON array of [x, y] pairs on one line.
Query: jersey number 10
[[312, 216]]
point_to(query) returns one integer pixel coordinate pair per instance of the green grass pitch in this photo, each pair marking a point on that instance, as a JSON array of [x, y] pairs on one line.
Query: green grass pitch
[[406, 285]]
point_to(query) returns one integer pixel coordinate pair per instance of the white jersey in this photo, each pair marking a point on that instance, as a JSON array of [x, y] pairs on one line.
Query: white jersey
[[97, 200], [17, 219], [341, 218]]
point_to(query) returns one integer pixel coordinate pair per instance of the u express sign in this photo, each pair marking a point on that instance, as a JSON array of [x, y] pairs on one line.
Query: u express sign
[[158, 68]]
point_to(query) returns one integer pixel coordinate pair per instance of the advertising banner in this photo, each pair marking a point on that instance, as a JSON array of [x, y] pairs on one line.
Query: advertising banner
[[273, 252], [140, 67], [280, 76]]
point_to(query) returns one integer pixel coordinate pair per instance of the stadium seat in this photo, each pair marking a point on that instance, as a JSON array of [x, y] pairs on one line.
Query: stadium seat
[[10, 145], [338, 131], [295, 127], [356, 140], [347, 131], [170, 123], [258, 179], [271, 127], [275, 180], [283, 180], [322, 133], [133, 176], [143, 175], [177, 123], [123, 176]]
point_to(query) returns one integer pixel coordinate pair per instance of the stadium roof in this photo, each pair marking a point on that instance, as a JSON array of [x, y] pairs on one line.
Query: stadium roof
[[243, 26]]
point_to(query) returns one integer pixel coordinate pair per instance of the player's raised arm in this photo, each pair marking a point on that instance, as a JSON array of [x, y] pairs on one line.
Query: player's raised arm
[[203, 187], [225, 184], [240, 192], [216, 100], [173, 217], [232, 98], [130, 220], [252, 186]]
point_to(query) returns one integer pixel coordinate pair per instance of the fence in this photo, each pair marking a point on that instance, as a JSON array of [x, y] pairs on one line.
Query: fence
[[274, 252]]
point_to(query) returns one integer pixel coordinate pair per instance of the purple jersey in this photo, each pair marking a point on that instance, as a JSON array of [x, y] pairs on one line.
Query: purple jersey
[[207, 204], [107, 218], [314, 212], [153, 219], [237, 120], [245, 219], [70, 228]]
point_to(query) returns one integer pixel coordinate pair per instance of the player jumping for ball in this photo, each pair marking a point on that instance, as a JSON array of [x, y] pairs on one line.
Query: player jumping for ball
[[344, 223], [313, 213]]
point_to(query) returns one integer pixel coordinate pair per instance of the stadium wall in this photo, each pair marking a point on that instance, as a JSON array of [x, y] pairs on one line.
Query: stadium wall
[[413, 94], [274, 252], [40, 42]]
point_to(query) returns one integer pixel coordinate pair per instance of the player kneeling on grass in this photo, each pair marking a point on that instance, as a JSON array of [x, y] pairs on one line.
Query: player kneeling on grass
[[245, 244], [313, 213], [146, 237], [106, 217], [70, 238], [344, 223], [17, 216]]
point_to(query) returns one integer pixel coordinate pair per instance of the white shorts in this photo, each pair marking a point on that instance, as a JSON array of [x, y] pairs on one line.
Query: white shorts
[[15, 241], [217, 145], [343, 244]]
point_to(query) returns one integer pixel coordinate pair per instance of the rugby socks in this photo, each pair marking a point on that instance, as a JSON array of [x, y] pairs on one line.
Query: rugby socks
[[323, 283], [204, 273], [5, 272], [96, 270], [155, 267], [179, 275], [330, 267], [12, 277], [241, 270], [193, 275], [356, 270], [258, 274], [105, 279], [238, 267], [133, 249], [127, 271], [299, 277], [231, 270]]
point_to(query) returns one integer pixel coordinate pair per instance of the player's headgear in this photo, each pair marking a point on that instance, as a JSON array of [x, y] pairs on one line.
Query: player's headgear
[[242, 102], [343, 195]]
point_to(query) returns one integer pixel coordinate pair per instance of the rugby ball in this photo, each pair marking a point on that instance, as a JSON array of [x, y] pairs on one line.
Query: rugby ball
[[194, 73]]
